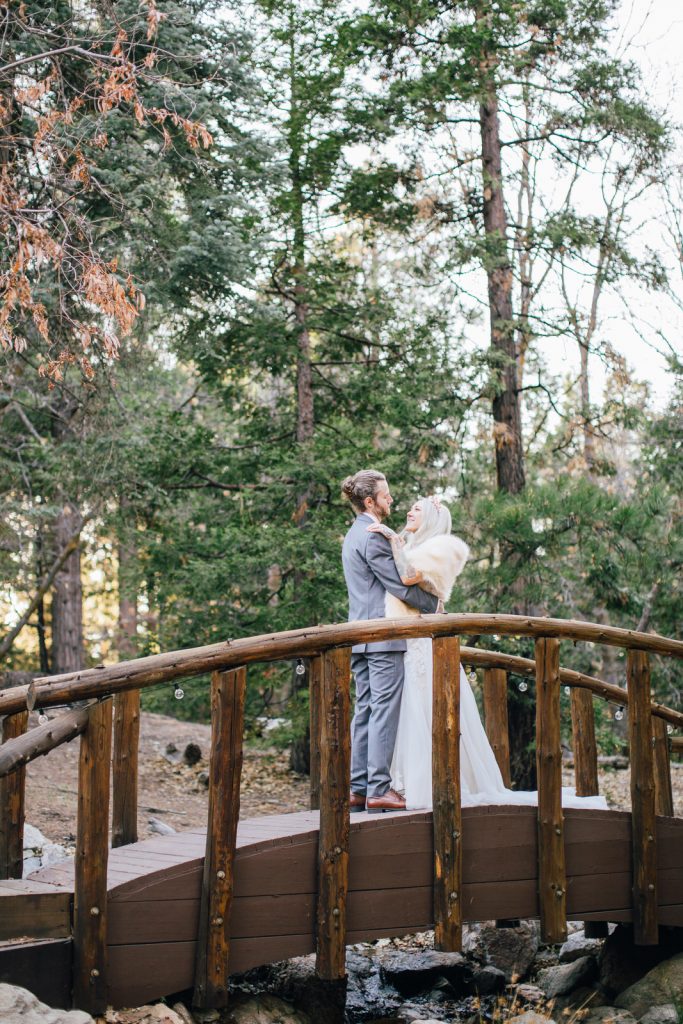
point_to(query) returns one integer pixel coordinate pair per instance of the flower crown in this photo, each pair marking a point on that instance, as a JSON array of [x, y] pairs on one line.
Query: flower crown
[[436, 502]]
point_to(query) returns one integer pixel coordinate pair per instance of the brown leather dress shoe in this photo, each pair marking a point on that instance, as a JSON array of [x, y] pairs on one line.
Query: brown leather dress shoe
[[389, 801], [357, 802]]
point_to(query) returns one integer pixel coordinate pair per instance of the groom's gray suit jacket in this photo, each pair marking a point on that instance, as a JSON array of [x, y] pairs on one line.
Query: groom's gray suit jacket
[[370, 571]]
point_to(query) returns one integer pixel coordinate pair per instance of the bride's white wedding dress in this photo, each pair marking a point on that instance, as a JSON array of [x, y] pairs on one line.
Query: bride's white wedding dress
[[440, 559]]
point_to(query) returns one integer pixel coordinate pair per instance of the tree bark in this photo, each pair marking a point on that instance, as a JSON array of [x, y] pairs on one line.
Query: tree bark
[[507, 425], [67, 598]]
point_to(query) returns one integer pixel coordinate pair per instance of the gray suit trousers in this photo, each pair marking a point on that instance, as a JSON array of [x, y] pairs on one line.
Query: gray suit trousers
[[379, 685]]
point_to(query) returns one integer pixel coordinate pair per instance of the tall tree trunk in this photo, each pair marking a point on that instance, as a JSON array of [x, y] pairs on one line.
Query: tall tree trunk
[[67, 598], [128, 603], [507, 425]]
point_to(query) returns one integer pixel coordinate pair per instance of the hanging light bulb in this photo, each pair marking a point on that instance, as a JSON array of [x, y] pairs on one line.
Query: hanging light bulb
[[300, 667], [669, 728], [522, 687], [619, 714], [567, 690], [42, 718], [473, 677], [178, 693]]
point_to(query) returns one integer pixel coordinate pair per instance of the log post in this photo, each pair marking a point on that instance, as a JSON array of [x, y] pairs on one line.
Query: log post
[[663, 790], [585, 748], [643, 806], [124, 828], [12, 793], [496, 718], [552, 874], [447, 816], [228, 690], [92, 850], [333, 848], [314, 696]]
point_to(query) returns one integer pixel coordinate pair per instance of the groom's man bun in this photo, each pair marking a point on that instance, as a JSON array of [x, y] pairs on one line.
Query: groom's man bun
[[362, 485]]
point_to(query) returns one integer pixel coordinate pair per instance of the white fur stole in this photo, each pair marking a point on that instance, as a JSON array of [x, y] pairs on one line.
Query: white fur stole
[[440, 560]]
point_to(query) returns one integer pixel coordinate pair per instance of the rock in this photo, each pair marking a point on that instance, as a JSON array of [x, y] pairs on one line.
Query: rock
[[19, 1006], [160, 827], [192, 754], [183, 1013], [40, 852], [622, 963], [667, 1014], [263, 1009], [155, 1013], [656, 989], [511, 950], [560, 980], [530, 993], [531, 1017], [414, 972], [577, 945], [608, 1015], [487, 981], [203, 779]]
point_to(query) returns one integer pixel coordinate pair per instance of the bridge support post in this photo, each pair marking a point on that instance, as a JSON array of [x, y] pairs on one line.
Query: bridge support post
[[496, 718], [92, 852], [333, 847], [583, 739], [124, 823], [552, 873], [663, 790], [228, 690], [315, 673], [643, 805], [12, 790], [447, 815]]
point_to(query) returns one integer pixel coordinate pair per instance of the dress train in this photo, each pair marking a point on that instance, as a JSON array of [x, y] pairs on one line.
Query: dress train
[[480, 777]]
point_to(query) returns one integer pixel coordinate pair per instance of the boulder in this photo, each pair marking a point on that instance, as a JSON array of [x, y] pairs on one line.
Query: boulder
[[263, 1009], [19, 1006], [622, 963], [667, 1014], [531, 1017], [530, 993], [660, 987], [40, 852], [511, 950], [415, 972], [565, 978], [487, 981], [577, 946]]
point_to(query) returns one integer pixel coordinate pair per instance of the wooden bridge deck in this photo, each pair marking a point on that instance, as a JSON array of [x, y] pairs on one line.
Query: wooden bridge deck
[[155, 886]]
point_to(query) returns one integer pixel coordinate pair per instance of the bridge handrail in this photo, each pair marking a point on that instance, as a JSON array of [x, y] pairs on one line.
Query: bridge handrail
[[308, 642]]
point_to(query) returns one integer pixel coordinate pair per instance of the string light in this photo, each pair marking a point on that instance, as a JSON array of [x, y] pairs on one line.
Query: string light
[[42, 718], [300, 667], [522, 687], [178, 693], [473, 677], [669, 728], [567, 690], [619, 714]]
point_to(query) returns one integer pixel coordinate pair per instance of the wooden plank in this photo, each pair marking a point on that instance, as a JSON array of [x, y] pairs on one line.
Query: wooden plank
[[124, 826], [552, 875], [92, 850], [314, 695], [585, 747], [643, 805], [447, 813], [662, 766], [333, 848], [12, 800], [228, 691], [38, 915], [496, 718]]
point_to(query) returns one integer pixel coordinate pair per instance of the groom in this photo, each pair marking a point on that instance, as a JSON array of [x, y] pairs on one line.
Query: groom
[[370, 571]]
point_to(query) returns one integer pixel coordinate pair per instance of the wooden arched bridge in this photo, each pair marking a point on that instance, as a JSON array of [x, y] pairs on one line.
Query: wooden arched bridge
[[146, 919]]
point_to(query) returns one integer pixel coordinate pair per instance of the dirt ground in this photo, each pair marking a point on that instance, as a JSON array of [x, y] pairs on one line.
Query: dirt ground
[[174, 793]]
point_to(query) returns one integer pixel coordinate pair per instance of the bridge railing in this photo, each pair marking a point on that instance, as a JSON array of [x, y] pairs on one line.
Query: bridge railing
[[328, 648]]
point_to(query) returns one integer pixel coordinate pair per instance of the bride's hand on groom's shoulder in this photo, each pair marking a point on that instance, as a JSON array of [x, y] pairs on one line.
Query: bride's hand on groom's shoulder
[[386, 531]]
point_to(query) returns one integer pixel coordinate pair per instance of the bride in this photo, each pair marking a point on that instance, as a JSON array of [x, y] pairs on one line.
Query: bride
[[427, 553]]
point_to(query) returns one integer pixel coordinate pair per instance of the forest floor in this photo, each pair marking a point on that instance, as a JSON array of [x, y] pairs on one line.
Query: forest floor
[[176, 795]]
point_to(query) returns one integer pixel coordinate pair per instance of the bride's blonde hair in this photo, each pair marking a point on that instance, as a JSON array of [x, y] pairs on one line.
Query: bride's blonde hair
[[436, 520]]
